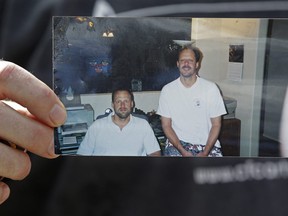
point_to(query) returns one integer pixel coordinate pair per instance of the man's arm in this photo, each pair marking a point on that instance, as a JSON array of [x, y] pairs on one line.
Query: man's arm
[[172, 136], [155, 154], [87, 146], [213, 136]]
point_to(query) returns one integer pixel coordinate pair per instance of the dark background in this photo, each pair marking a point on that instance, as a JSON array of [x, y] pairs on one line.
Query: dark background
[[142, 49]]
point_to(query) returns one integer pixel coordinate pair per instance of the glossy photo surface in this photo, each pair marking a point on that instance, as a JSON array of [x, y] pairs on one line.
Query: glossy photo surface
[[245, 57]]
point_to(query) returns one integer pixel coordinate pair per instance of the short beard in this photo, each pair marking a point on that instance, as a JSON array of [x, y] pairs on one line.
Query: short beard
[[123, 115]]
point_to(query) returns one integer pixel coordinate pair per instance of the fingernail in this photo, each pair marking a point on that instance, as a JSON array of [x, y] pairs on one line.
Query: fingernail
[[58, 115], [4, 192]]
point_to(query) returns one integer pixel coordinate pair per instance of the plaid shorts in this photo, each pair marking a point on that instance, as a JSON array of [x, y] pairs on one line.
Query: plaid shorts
[[195, 149]]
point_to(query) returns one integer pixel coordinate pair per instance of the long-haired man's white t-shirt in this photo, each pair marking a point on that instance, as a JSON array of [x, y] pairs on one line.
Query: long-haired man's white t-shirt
[[191, 109]]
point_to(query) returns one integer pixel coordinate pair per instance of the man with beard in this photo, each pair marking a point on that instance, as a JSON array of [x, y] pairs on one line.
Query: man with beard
[[191, 109], [120, 133]]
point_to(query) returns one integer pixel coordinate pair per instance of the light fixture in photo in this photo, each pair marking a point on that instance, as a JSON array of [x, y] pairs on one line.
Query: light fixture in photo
[[108, 34], [184, 42]]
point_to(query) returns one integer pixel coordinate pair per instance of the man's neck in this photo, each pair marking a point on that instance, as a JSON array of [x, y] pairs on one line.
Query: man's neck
[[188, 81], [121, 123]]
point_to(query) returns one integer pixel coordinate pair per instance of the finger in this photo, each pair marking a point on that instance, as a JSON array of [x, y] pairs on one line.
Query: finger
[[20, 109], [14, 164], [26, 132], [22, 87], [4, 192]]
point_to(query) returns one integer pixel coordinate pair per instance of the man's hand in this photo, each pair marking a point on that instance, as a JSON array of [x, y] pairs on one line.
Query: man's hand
[[29, 128], [201, 154], [186, 153]]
